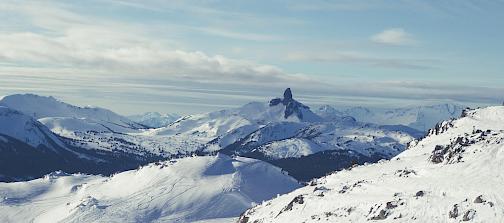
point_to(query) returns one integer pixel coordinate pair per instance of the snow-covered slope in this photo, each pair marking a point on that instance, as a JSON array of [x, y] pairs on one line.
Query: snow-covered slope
[[26, 129], [154, 119], [28, 149], [420, 118], [182, 190], [454, 174], [95, 128], [43, 107]]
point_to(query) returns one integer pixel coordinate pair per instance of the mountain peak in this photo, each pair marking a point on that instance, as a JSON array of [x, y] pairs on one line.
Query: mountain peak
[[291, 106], [287, 94]]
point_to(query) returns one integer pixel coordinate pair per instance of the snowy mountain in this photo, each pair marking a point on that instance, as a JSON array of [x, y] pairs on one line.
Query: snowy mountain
[[420, 118], [283, 132], [92, 128], [24, 128], [454, 174], [154, 119], [287, 133], [43, 107], [192, 189], [28, 149]]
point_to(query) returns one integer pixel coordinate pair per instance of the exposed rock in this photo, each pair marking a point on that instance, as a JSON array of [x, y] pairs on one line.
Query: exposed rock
[[391, 205], [405, 172], [297, 200], [420, 193], [287, 94], [381, 216], [291, 106], [453, 153], [479, 199], [243, 219], [454, 212], [469, 215], [438, 154]]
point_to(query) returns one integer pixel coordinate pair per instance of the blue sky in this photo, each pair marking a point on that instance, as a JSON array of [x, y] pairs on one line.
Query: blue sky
[[199, 56]]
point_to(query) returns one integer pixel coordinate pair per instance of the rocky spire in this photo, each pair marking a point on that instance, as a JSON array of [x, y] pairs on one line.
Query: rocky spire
[[287, 94], [291, 105]]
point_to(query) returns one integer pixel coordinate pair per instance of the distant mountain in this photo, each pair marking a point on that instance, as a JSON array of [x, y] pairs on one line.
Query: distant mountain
[[154, 119], [283, 131], [90, 128], [43, 107], [421, 118], [451, 175], [26, 129], [330, 114], [190, 189], [28, 149], [288, 134]]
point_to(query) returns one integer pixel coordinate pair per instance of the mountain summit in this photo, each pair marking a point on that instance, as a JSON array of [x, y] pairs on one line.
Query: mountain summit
[[291, 106]]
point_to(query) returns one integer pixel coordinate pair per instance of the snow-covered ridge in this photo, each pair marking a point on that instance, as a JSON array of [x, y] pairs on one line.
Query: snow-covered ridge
[[452, 175], [43, 107], [180, 190], [26, 129], [28, 149]]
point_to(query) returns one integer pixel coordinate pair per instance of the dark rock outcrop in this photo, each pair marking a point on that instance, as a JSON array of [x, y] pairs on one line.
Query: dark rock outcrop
[[292, 107]]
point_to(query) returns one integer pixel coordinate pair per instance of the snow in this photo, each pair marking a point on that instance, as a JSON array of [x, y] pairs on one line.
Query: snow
[[25, 128], [290, 148], [154, 119], [464, 186], [42, 107], [192, 189], [286, 139]]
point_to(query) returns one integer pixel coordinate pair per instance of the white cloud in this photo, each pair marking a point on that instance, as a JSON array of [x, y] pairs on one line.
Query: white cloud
[[394, 36], [101, 46]]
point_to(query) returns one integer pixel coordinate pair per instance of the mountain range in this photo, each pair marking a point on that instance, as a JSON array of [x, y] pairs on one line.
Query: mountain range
[[71, 164], [283, 132]]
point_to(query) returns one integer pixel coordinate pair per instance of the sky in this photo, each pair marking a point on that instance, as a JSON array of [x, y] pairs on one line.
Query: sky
[[199, 56]]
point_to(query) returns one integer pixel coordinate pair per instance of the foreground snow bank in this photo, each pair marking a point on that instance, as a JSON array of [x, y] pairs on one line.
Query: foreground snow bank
[[181, 190]]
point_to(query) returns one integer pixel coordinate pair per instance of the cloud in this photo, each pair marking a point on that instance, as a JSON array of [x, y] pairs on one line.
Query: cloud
[[394, 36], [98, 46], [89, 59], [363, 58]]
